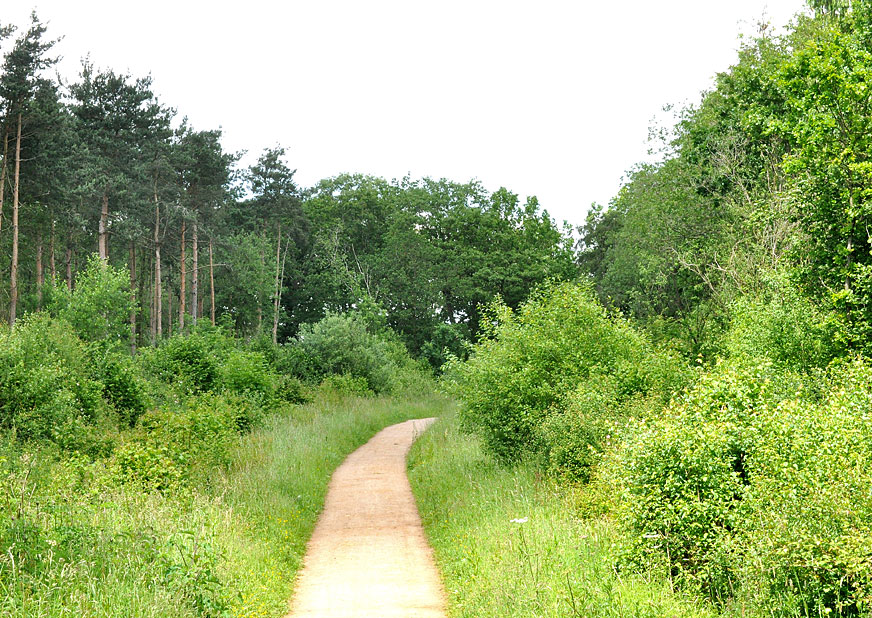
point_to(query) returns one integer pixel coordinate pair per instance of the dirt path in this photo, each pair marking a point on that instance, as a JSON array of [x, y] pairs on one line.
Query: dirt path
[[368, 556]]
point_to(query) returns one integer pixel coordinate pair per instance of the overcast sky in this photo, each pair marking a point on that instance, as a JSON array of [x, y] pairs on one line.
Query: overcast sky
[[547, 98]]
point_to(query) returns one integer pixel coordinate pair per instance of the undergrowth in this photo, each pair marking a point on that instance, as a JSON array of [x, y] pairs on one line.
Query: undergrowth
[[511, 543], [78, 538]]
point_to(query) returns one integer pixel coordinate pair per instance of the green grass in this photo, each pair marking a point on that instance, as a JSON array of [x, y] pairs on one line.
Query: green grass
[[280, 480], [552, 564], [74, 541]]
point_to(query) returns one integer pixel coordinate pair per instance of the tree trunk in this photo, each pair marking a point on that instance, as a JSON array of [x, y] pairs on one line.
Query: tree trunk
[[278, 286], [103, 228], [13, 278], [51, 254], [69, 260], [132, 264], [3, 172], [182, 284], [158, 286], [259, 300], [170, 313], [211, 284], [195, 276], [40, 272]]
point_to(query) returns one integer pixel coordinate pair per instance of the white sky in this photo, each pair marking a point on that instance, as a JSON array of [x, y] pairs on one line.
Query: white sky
[[547, 98]]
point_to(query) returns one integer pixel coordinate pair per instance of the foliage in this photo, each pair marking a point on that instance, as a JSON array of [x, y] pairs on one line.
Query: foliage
[[46, 384], [123, 385], [784, 326], [172, 446], [185, 360], [247, 373], [341, 344], [532, 359], [750, 488], [99, 307]]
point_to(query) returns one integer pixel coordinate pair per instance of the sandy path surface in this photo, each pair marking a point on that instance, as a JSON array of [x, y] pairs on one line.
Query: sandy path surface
[[368, 556]]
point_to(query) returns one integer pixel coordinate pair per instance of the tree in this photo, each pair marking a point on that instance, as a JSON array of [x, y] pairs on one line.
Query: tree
[[276, 203], [21, 78], [203, 172], [117, 115]]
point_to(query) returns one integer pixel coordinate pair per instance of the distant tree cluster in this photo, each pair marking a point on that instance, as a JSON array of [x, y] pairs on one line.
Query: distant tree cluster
[[101, 165]]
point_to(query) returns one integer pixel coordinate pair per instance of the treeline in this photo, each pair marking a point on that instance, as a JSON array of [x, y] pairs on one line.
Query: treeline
[[101, 165], [707, 392], [770, 172]]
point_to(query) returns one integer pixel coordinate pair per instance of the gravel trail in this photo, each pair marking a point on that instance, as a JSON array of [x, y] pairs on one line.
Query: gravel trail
[[368, 557]]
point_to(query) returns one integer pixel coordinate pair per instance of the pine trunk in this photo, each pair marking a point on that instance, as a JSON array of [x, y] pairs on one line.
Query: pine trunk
[[69, 263], [13, 278], [3, 173], [132, 264], [278, 287], [103, 228], [182, 284], [195, 278], [51, 255], [158, 285], [211, 285], [40, 272]]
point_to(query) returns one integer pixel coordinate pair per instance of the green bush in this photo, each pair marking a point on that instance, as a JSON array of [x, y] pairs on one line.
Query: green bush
[[187, 361], [247, 373], [291, 389], [753, 486], [123, 386], [341, 344], [346, 384], [45, 379], [572, 438], [784, 326], [99, 307], [530, 361], [170, 447]]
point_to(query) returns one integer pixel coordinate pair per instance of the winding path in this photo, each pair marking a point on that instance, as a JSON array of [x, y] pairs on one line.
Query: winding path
[[368, 557]]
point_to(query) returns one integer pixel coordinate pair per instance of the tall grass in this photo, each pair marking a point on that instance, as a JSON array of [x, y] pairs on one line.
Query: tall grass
[[279, 481], [74, 541], [510, 544]]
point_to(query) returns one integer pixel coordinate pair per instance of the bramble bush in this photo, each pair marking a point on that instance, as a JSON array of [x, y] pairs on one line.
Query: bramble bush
[[99, 306], [169, 447], [752, 486], [530, 364], [342, 344], [187, 361], [246, 373], [781, 324], [45, 379], [123, 385]]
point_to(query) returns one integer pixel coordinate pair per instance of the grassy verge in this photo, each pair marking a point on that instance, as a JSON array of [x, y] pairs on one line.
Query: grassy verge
[[510, 545], [74, 540], [280, 480]]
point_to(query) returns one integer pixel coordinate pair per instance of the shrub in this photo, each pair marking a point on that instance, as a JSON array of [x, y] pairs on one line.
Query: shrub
[[123, 387], [750, 486], [571, 439], [185, 360], [341, 344], [782, 325], [292, 390], [45, 378], [99, 307], [247, 373], [529, 361], [346, 384], [169, 447]]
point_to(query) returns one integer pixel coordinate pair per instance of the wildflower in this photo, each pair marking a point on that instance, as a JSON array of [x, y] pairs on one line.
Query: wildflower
[[521, 520]]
